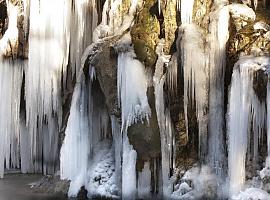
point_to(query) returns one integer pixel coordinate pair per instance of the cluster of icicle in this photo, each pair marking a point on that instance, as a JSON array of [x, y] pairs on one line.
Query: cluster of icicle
[[247, 117], [32, 133], [204, 78], [164, 119]]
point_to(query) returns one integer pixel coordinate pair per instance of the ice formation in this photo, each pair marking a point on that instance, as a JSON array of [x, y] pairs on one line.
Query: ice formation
[[85, 153], [83, 19], [219, 25], [144, 182], [11, 75], [132, 85], [245, 113], [204, 79], [196, 79], [132, 88], [186, 11], [164, 121], [48, 58]]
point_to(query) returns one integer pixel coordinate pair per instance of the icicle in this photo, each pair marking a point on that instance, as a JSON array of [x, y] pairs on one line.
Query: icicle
[[132, 88], [129, 180], [255, 2], [118, 145], [268, 119], [10, 86], [164, 122], [75, 149], [172, 75], [186, 11], [219, 29], [244, 110], [144, 182], [83, 20], [48, 58], [159, 7], [196, 79]]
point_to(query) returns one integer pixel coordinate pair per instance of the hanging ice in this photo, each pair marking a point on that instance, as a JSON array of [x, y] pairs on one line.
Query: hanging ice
[[196, 79], [219, 25], [245, 113], [48, 58], [76, 147], [186, 11], [164, 122], [132, 88], [10, 87], [144, 182], [83, 19]]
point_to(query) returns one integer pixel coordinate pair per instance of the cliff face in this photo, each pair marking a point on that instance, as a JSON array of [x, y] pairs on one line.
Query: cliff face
[[187, 96]]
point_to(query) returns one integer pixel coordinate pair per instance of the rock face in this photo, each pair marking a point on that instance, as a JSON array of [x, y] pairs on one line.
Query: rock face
[[248, 35]]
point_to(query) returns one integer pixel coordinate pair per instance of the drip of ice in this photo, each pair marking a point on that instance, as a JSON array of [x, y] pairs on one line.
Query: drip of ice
[[11, 76], [85, 152], [219, 24], [48, 58], [118, 145], [144, 182], [164, 122], [186, 11], [75, 149], [172, 75], [83, 19], [132, 88], [196, 79], [245, 111]]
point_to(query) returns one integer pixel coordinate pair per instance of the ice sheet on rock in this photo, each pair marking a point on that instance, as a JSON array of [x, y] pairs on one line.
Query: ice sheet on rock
[[252, 194]]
